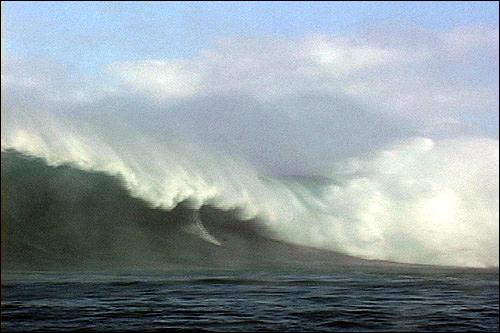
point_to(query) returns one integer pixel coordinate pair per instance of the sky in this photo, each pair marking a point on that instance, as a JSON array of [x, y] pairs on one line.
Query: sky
[[310, 82], [87, 35]]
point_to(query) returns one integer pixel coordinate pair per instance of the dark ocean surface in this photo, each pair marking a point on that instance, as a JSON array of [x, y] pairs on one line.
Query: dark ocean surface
[[343, 300]]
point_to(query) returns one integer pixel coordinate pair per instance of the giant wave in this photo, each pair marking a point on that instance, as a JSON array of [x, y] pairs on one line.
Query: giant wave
[[420, 201]]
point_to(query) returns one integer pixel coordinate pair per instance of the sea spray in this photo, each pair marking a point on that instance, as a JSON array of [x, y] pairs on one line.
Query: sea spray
[[419, 201]]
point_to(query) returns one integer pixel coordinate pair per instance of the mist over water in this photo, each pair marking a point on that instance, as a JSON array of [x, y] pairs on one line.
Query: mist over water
[[421, 201]]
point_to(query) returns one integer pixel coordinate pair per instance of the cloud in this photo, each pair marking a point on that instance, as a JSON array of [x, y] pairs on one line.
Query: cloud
[[436, 77], [288, 105], [344, 57], [160, 78]]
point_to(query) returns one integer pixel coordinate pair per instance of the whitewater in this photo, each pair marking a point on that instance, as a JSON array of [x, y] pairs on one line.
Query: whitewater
[[417, 201]]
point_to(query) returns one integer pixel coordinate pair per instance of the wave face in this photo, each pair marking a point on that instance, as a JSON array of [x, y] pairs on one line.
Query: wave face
[[420, 201], [59, 218]]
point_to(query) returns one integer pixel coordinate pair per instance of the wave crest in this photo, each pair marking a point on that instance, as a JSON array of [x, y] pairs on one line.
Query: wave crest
[[421, 201]]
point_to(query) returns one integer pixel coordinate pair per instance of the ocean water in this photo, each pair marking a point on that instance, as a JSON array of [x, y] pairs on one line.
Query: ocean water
[[350, 299], [82, 251]]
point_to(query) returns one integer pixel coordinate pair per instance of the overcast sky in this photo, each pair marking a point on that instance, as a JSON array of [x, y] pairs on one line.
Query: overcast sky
[[291, 87]]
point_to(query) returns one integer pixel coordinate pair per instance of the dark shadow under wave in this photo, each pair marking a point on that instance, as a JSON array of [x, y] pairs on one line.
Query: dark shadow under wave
[[64, 218]]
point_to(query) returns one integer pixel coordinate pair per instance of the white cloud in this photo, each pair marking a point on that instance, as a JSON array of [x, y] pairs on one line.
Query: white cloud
[[308, 100], [432, 76], [344, 57], [160, 78]]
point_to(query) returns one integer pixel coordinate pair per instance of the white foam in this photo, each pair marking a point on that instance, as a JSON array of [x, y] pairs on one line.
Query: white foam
[[419, 201]]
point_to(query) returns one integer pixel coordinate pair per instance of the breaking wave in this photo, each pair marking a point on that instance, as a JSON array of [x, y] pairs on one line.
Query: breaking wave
[[420, 201]]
